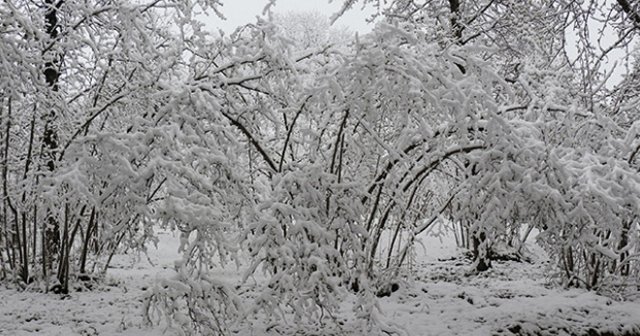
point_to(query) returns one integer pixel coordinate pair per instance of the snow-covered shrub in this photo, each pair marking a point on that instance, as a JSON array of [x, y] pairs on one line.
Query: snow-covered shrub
[[192, 304], [305, 236]]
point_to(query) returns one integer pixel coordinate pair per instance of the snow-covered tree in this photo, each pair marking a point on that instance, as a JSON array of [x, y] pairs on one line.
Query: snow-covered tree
[[473, 112], [277, 147], [93, 125]]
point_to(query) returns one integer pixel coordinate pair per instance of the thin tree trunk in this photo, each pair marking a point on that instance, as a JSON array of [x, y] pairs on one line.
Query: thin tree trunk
[[17, 244], [35, 235], [524, 238], [44, 259], [6, 199], [27, 167], [85, 244], [113, 252], [25, 249], [3, 233], [63, 260], [624, 240], [12, 236]]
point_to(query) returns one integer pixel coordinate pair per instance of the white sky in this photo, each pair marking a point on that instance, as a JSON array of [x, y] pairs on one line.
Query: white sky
[[615, 61], [239, 12]]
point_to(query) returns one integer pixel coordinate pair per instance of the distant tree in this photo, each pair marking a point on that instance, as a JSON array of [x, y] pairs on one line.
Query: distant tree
[[310, 30]]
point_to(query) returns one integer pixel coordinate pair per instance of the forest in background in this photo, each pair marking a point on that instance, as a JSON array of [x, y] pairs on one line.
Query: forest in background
[[294, 148]]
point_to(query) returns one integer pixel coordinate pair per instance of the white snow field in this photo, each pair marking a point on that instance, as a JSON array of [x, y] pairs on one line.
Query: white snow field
[[443, 299]]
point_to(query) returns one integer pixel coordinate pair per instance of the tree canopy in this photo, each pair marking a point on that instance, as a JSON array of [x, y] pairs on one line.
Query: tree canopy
[[296, 153]]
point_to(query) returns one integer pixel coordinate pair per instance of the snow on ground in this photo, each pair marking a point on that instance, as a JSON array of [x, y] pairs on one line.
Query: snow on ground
[[510, 299], [114, 308]]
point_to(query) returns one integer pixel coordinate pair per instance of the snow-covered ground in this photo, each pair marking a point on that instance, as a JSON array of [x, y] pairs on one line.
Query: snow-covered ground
[[114, 308], [510, 299]]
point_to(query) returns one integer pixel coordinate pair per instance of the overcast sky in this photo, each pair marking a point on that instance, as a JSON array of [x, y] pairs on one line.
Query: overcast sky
[[239, 12]]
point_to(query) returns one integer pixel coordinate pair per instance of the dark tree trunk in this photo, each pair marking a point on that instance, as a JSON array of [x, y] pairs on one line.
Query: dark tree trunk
[[456, 27], [625, 268], [50, 136], [85, 244], [481, 252]]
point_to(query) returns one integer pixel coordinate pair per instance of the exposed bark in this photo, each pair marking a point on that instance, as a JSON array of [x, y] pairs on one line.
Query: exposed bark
[[454, 7], [481, 252], [50, 136], [252, 140], [625, 267], [456, 27], [290, 131], [626, 7], [87, 237]]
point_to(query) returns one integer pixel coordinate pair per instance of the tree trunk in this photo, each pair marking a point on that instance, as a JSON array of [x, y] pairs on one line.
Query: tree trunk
[[481, 252], [50, 136], [85, 244]]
